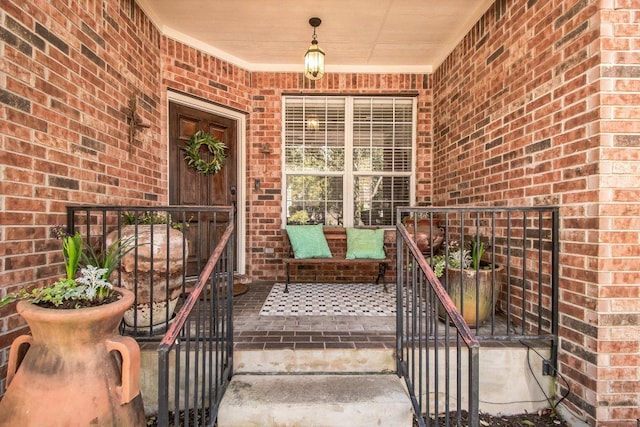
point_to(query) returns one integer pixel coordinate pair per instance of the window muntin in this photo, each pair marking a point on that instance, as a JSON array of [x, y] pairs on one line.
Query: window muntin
[[348, 160], [377, 197], [314, 134], [314, 199]]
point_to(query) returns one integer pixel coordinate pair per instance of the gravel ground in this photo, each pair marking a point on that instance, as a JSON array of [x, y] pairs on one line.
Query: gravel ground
[[544, 418]]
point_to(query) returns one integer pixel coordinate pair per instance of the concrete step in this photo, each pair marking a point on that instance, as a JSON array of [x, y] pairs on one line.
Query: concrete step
[[315, 401], [335, 361]]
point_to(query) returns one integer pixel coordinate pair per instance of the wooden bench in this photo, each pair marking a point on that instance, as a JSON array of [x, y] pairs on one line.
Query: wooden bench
[[337, 240]]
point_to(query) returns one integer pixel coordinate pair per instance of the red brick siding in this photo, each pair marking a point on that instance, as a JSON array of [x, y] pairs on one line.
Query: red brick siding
[[192, 72], [67, 75], [524, 114], [618, 317]]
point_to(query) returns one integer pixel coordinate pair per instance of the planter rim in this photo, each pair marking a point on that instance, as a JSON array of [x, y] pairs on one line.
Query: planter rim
[[126, 300], [496, 266]]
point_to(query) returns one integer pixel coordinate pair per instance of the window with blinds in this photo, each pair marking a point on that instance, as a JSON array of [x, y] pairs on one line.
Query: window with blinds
[[348, 161]]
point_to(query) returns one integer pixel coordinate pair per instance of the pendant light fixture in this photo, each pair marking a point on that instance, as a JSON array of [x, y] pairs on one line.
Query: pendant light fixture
[[314, 58]]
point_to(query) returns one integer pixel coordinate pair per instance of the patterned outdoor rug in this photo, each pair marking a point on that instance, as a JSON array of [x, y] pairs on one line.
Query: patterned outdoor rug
[[330, 299]]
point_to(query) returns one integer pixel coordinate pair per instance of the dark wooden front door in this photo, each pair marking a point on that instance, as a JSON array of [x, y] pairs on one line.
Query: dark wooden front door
[[189, 187]]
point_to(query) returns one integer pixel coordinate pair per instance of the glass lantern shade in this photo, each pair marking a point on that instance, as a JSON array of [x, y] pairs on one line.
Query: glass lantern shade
[[314, 62]]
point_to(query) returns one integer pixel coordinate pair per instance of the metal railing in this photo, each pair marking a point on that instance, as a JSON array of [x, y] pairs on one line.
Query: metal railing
[[523, 245], [169, 247], [429, 352], [195, 357], [516, 269]]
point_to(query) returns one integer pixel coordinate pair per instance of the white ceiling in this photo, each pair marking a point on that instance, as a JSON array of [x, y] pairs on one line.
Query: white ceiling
[[356, 35]]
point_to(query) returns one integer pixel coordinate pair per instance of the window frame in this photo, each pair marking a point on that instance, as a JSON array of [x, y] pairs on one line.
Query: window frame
[[348, 174]]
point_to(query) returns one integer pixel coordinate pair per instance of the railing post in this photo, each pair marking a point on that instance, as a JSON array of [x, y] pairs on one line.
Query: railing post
[[399, 305], [230, 264], [555, 263], [474, 386], [163, 386]]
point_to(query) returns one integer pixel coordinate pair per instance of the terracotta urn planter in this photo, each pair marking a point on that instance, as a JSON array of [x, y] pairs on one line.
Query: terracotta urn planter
[[428, 236], [157, 276], [461, 286], [74, 370]]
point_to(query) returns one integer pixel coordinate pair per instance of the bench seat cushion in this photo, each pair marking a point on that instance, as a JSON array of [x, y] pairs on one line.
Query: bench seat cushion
[[308, 241]]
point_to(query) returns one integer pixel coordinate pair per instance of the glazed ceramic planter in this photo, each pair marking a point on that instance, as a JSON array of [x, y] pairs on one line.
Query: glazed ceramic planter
[[158, 271], [468, 286], [74, 370]]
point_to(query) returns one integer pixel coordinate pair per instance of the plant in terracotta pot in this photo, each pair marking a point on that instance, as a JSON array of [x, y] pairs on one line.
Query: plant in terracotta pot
[[154, 270], [472, 283], [74, 369]]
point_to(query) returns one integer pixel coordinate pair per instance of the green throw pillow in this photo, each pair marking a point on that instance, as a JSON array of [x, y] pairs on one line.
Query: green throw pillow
[[308, 241], [365, 243]]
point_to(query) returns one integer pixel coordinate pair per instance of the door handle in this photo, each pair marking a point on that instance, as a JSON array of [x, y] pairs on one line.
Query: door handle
[[233, 191]]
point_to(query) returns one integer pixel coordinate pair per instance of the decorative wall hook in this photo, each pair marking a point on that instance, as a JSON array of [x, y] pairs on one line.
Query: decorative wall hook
[[266, 148], [133, 118]]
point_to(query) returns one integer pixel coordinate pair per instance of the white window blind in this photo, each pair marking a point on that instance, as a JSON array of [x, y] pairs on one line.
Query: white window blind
[[347, 160]]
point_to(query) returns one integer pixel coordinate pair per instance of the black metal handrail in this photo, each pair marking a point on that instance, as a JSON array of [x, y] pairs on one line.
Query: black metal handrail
[[201, 343], [525, 241], [521, 259], [421, 337]]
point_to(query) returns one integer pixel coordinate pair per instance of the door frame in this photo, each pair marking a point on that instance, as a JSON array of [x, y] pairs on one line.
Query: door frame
[[241, 132]]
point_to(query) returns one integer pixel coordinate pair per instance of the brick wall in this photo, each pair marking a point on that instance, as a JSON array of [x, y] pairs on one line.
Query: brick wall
[[618, 308], [66, 75], [266, 241], [197, 74], [538, 106]]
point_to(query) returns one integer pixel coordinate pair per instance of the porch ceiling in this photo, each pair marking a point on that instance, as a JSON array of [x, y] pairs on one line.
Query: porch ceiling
[[356, 35]]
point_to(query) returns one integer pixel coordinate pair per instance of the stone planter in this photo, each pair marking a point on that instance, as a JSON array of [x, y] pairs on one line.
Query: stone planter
[[157, 270], [74, 370]]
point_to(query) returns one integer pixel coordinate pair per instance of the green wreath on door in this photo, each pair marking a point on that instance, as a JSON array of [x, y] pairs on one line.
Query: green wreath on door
[[214, 146]]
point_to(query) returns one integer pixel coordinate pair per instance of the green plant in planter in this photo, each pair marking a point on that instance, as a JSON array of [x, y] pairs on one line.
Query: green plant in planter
[[69, 350], [153, 218], [475, 284], [71, 251], [457, 257], [90, 288]]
